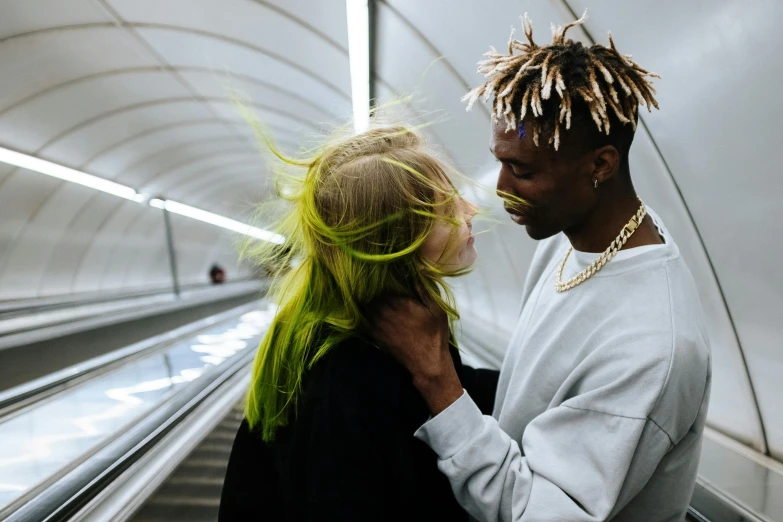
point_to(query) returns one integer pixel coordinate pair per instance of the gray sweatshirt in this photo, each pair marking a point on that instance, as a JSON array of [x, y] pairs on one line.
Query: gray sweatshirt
[[601, 401]]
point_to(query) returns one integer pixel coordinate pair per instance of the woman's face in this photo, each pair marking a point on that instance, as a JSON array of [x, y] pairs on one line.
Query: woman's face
[[448, 246]]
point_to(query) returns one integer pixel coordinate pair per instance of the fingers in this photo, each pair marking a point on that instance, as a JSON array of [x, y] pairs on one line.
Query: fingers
[[434, 308], [428, 301], [391, 311]]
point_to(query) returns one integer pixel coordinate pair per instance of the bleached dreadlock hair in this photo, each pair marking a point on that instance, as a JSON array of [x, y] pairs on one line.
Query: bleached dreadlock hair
[[584, 79]]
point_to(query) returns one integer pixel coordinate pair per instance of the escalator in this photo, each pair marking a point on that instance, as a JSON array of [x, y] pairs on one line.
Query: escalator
[[192, 492], [34, 341], [130, 419], [163, 456]]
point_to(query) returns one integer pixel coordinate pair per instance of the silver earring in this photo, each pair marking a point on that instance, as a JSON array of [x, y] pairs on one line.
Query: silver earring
[[595, 183]]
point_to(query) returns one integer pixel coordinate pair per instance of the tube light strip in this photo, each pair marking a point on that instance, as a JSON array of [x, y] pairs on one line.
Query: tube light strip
[[218, 220], [104, 185], [68, 174], [359, 56]]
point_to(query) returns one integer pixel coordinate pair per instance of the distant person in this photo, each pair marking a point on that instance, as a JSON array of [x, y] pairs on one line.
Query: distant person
[[216, 274], [330, 417], [603, 392]]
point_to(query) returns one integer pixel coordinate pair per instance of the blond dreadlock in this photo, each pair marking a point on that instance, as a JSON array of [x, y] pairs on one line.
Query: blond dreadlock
[[525, 81]]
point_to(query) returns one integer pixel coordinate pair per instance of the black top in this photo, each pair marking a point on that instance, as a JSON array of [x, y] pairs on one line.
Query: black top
[[350, 455]]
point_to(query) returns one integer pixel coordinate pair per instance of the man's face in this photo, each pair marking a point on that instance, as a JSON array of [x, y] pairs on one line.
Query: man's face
[[557, 186]]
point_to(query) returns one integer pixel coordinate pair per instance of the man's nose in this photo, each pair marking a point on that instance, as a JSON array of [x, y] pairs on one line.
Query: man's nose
[[503, 187]]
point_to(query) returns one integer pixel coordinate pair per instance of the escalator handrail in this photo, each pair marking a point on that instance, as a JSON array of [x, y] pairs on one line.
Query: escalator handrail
[[70, 493], [40, 304], [696, 515], [24, 394], [83, 322]]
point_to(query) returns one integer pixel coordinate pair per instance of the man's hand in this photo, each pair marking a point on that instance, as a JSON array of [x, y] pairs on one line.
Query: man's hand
[[417, 335]]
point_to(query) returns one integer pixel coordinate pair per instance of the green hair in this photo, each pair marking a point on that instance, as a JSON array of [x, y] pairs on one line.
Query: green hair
[[358, 210]]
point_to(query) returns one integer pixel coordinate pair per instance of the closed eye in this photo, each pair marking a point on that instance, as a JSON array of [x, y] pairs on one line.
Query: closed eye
[[514, 166]]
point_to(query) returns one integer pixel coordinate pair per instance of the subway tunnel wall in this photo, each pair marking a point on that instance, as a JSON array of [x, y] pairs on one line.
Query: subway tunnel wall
[[705, 163], [136, 91]]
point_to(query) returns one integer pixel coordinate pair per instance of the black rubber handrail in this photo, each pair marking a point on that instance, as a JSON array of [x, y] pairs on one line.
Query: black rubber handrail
[[66, 496]]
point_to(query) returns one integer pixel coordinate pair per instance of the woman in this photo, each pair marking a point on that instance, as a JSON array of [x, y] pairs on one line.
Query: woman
[[330, 416]]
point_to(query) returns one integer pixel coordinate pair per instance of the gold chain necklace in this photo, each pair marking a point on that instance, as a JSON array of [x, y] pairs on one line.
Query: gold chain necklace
[[604, 258]]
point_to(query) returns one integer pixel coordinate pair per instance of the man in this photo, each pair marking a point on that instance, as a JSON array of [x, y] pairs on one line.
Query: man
[[603, 392]]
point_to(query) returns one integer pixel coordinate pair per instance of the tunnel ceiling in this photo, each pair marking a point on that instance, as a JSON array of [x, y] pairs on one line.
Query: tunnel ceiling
[[141, 91]]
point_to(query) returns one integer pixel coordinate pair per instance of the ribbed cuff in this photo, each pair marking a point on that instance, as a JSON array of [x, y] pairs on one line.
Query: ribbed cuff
[[452, 428]]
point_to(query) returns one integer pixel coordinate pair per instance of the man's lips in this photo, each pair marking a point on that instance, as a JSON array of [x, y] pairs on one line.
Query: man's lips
[[516, 216]]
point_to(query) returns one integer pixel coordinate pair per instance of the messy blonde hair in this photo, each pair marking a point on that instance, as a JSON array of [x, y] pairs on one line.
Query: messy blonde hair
[[359, 208]]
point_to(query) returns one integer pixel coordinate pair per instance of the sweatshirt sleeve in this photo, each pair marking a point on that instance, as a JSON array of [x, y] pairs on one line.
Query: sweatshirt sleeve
[[572, 464]]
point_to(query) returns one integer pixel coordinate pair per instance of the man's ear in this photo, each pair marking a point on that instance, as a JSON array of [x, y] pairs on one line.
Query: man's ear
[[606, 163]]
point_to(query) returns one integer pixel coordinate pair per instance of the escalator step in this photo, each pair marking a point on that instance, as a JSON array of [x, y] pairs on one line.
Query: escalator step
[[192, 492], [215, 447], [223, 435], [211, 453], [190, 509], [181, 500], [205, 463]]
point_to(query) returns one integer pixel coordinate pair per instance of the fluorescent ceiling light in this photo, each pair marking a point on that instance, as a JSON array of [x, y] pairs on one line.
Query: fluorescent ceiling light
[[215, 219], [359, 53], [68, 174], [104, 185]]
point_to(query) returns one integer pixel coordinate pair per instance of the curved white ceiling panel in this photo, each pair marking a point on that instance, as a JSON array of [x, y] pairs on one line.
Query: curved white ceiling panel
[[213, 84], [74, 240], [141, 247], [34, 62], [248, 22], [96, 257], [172, 155], [209, 165], [25, 263], [411, 68], [20, 197], [182, 49], [270, 115], [33, 124], [36, 15], [327, 17], [117, 162], [464, 31], [101, 137], [235, 187]]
